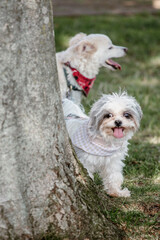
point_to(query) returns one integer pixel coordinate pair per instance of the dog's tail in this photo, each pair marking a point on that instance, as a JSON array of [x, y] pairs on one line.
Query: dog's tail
[[72, 109]]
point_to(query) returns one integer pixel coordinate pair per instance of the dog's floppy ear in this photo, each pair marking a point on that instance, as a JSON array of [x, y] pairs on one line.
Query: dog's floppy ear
[[93, 126], [138, 112], [77, 38], [96, 115], [85, 47]]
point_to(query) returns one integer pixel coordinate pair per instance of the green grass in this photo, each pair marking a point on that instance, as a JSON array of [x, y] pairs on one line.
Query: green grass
[[140, 76]]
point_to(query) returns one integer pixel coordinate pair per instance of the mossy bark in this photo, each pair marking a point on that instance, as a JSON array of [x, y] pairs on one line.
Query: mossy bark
[[44, 191]]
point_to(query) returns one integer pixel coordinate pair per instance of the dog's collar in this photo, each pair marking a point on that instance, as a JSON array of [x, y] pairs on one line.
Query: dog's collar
[[85, 83], [69, 85]]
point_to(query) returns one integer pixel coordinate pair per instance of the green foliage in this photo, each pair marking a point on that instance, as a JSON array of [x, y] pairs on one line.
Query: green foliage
[[140, 76], [98, 181]]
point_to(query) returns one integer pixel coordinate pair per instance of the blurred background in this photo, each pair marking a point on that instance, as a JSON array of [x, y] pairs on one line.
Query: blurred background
[[83, 7], [134, 24]]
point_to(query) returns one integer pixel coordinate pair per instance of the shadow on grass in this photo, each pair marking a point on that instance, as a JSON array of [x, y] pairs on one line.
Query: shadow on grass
[[143, 160]]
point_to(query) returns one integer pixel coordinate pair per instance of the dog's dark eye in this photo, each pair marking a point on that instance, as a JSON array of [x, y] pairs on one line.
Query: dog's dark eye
[[110, 48], [127, 115], [108, 115]]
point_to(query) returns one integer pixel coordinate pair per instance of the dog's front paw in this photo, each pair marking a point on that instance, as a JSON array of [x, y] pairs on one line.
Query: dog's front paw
[[119, 193], [125, 193]]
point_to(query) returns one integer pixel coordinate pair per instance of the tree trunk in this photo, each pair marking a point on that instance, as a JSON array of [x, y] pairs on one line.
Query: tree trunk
[[44, 190]]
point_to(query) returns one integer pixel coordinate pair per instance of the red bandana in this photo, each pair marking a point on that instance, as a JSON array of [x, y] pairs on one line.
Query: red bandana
[[85, 83]]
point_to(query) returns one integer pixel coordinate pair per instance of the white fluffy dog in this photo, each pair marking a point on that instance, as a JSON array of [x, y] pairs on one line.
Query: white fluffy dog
[[80, 63], [101, 139]]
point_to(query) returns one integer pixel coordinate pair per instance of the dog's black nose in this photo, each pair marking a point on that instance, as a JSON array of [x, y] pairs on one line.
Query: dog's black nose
[[126, 50], [118, 123]]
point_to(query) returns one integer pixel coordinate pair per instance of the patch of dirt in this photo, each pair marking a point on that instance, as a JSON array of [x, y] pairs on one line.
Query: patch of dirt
[[151, 209]]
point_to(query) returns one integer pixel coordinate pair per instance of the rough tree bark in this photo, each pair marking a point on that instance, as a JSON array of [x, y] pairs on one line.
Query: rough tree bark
[[44, 191]]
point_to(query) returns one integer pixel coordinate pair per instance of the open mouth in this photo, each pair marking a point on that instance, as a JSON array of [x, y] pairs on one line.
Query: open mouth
[[113, 64], [118, 132]]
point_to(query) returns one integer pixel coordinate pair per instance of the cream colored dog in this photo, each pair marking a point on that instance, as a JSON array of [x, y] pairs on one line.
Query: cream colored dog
[[101, 140], [79, 64]]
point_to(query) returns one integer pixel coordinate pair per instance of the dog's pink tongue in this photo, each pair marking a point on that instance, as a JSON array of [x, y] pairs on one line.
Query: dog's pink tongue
[[115, 64], [118, 132]]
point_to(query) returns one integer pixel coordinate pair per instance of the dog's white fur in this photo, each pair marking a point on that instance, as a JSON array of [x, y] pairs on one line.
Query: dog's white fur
[[86, 53], [110, 168]]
